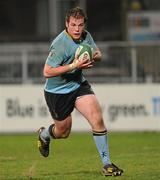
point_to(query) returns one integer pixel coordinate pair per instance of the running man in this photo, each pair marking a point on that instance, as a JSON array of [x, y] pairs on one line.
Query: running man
[[66, 88]]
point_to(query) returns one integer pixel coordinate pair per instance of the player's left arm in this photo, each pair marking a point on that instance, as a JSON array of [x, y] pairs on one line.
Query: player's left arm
[[97, 55]]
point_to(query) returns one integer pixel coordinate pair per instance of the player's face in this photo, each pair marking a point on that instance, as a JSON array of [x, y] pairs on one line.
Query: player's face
[[75, 27]]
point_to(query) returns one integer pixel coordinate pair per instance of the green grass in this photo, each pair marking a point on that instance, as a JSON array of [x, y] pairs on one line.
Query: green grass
[[76, 158]]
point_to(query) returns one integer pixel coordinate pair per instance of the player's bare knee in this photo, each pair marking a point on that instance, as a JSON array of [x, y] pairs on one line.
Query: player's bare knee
[[65, 135]]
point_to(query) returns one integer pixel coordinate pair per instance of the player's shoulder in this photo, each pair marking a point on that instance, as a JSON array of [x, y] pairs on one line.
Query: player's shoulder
[[62, 38], [87, 38], [86, 34], [58, 38], [58, 42]]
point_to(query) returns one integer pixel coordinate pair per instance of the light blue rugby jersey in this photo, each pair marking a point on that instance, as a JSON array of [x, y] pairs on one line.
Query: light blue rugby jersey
[[62, 51]]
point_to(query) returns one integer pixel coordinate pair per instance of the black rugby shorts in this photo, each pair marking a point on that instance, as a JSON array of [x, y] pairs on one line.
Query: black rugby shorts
[[61, 105]]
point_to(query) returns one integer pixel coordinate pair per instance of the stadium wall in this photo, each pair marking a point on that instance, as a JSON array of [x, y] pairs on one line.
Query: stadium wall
[[125, 108]]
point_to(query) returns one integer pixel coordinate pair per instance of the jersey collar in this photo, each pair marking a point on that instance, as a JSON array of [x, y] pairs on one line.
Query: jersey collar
[[76, 41]]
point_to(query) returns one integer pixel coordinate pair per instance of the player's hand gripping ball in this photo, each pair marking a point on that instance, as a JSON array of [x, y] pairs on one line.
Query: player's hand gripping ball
[[84, 52]]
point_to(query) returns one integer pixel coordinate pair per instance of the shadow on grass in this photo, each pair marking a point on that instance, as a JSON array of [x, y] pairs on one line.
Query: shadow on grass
[[71, 174], [77, 173]]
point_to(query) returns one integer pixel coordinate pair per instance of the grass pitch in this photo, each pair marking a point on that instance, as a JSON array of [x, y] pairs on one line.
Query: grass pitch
[[76, 158]]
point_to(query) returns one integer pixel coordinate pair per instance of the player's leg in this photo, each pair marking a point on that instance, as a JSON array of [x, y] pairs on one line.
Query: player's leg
[[59, 129], [60, 107], [89, 107]]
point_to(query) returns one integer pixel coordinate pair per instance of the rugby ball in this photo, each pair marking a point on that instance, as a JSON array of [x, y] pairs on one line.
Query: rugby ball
[[84, 52]]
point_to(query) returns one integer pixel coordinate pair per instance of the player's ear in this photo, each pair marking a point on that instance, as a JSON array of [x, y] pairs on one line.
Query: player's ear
[[66, 24]]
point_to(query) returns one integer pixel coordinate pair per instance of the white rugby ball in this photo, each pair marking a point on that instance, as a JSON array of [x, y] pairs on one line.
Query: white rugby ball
[[84, 52]]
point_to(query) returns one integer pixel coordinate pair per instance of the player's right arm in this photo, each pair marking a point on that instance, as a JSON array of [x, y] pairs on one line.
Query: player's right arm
[[50, 71], [54, 63]]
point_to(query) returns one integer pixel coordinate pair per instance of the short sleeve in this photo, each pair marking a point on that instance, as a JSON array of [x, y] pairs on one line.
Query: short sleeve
[[91, 41], [56, 56]]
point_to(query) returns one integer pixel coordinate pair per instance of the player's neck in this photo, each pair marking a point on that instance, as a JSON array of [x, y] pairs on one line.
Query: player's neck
[[75, 40]]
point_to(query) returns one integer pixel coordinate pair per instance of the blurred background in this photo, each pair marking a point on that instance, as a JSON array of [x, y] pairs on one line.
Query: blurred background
[[126, 31]]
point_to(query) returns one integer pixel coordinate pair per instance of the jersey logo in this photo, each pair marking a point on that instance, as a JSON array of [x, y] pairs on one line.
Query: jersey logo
[[51, 53]]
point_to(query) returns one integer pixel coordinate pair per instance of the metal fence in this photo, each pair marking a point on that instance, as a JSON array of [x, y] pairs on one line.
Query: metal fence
[[122, 62]]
